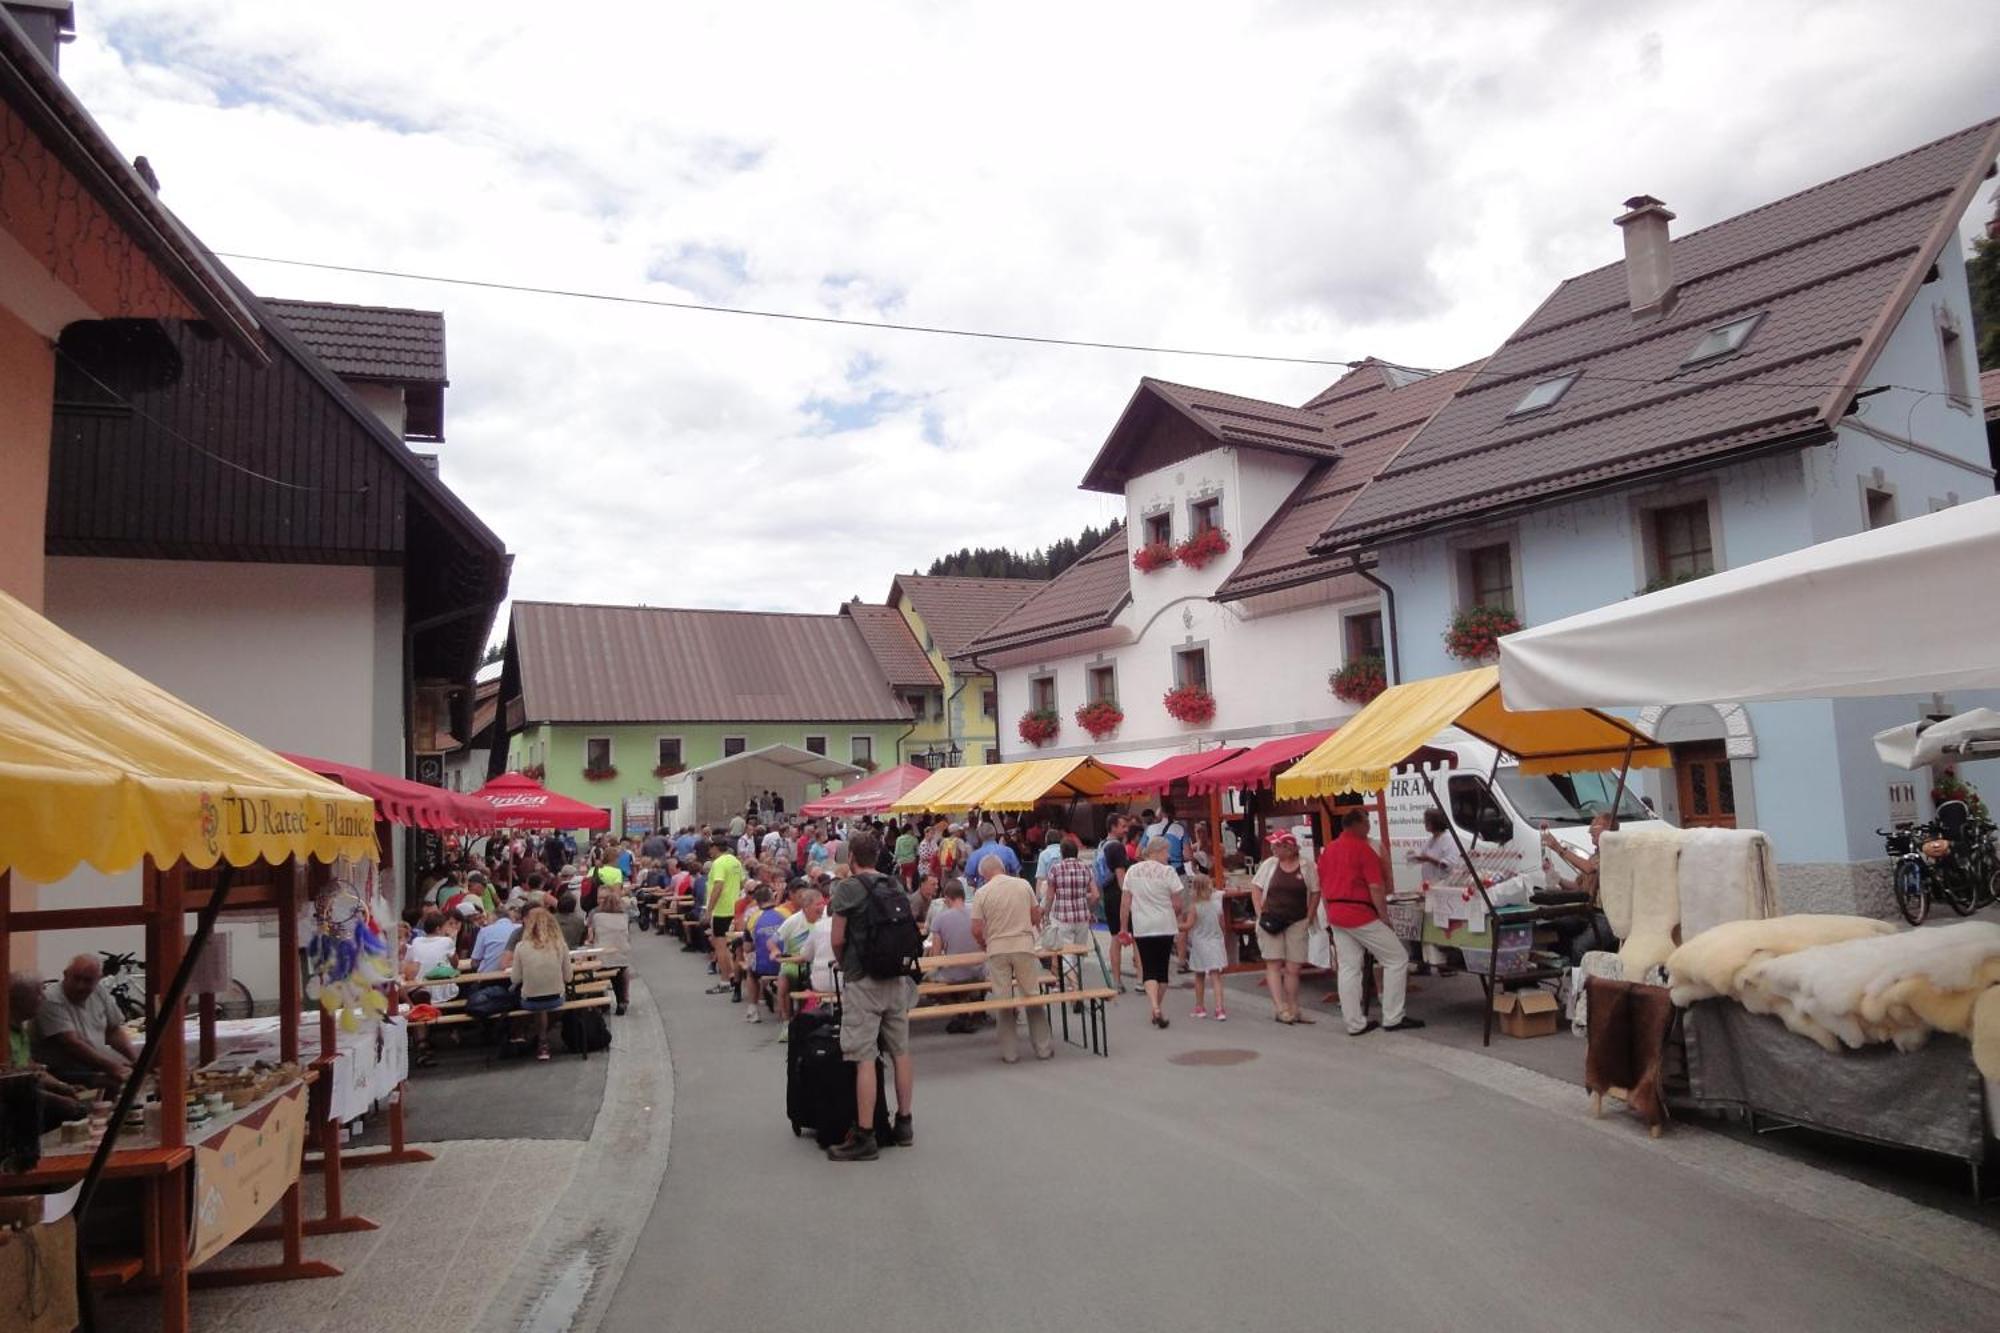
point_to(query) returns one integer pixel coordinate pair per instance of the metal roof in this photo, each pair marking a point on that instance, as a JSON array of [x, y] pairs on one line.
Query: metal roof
[[1830, 270], [657, 664], [369, 342], [1086, 596], [1207, 419], [902, 659], [956, 609]]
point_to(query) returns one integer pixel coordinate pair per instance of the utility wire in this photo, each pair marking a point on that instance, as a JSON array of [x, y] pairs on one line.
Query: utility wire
[[161, 426], [791, 316]]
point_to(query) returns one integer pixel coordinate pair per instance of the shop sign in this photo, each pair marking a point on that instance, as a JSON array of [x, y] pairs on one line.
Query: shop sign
[[242, 1173]]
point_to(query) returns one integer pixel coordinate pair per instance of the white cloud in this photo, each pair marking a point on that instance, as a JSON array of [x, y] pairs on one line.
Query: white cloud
[[1306, 180]]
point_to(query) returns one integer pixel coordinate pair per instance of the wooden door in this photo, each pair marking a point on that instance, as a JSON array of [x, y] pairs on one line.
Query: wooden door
[[1707, 790]]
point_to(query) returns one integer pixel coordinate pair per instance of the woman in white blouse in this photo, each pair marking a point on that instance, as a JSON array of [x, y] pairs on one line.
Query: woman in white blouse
[[1149, 917]]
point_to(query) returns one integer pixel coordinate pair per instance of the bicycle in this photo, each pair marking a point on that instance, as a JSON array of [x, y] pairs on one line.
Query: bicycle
[[125, 979], [1951, 858]]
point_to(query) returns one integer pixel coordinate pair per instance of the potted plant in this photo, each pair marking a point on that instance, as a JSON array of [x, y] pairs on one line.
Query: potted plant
[[605, 774], [1100, 717], [1952, 787], [534, 772], [1038, 726], [865, 765], [1360, 680], [668, 770], [1476, 632], [1201, 548], [1152, 556], [1191, 704]]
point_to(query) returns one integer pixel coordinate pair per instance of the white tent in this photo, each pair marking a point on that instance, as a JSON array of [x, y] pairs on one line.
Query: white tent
[[1906, 609], [1970, 735], [717, 791]]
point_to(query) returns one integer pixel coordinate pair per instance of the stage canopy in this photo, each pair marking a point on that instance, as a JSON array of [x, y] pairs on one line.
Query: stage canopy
[[101, 766]]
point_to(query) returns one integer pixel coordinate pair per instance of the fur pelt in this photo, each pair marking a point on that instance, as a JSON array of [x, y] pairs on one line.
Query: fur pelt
[[1725, 875], [1639, 891], [1708, 964]]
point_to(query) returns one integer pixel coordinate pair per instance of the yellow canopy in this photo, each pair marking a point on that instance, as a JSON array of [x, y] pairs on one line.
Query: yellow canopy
[[99, 765], [1016, 786], [1401, 719]]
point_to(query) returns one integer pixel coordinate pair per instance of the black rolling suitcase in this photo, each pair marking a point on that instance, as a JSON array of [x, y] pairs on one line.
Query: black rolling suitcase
[[819, 1084]]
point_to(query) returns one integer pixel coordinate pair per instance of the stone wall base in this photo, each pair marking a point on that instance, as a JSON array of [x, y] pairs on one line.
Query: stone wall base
[[1850, 889]]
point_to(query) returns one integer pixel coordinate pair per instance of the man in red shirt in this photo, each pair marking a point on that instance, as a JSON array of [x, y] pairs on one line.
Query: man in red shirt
[[1357, 901]]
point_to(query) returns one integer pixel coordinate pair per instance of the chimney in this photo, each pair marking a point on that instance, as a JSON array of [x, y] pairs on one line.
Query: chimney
[[1649, 263], [47, 24]]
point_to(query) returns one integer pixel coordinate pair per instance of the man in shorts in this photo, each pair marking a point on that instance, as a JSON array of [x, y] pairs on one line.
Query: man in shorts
[[874, 1014], [725, 888]]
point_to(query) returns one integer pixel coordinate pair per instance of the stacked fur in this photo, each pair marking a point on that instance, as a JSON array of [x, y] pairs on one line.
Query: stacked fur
[[1638, 890], [1854, 981]]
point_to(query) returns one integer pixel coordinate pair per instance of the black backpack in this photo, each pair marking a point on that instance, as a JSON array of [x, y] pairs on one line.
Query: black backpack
[[890, 940], [585, 1030]]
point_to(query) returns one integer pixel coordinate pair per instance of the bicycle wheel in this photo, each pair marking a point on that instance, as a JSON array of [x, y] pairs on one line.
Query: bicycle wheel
[[1960, 888], [236, 1002], [1912, 896]]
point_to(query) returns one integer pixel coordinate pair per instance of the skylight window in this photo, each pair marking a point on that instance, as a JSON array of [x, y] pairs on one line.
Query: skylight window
[[1544, 394], [1723, 339]]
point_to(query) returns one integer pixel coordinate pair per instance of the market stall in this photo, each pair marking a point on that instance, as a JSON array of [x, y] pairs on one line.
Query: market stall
[[870, 796], [99, 766], [1017, 786], [716, 792], [1785, 628], [1401, 722]]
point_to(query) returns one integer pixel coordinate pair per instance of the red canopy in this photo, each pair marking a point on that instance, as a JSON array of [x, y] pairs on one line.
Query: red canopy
[[1171, 770], [1252, 770], [525, 803], [401, 801], [870, 796]]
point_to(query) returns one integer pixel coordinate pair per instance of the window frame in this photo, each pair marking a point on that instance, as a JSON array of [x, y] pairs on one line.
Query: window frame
[[1659, 558], [1747, 323], [1200, 506], [1563, 384], [821, 737], [1165, 519], [1465, 560], [1035, 684], [989, 703], [1348, 621], [742, 746], [860, 748], [680, 752], [1952, 347], [1871, 491], [610, 754], [1184, 652], [1091, 673]]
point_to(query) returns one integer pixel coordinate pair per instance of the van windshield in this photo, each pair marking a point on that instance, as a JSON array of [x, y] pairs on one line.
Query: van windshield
[[1566, 799]]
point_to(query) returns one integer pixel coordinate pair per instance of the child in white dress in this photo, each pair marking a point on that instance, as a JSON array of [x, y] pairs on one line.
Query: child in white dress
[[1206, 955]]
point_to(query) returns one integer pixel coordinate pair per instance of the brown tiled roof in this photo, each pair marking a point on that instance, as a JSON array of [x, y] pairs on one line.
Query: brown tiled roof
[[485, 707], [1989, 393], [902, 658], [1088, 595], [955, 609], [1375, 420], [1830, 270], [647, 664], [368, 342], [1216, 419]]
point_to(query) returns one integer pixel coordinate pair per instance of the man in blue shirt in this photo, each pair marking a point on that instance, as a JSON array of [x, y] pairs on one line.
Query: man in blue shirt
[[986, 843], [625, 860], [494, 939]]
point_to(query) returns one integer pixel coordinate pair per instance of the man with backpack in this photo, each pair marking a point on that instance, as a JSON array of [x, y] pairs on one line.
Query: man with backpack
[[876, 939]]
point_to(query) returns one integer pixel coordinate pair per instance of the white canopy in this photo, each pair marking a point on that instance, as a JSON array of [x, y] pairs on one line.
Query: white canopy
[[1970, 735], [1904, 609], [718, 790]]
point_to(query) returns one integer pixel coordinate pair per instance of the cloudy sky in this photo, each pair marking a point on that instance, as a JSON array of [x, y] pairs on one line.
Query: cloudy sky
[[1313, 180]]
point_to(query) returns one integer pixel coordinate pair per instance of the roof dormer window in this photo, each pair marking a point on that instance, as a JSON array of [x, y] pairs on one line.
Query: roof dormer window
[[1723, 339], [1544, 395]]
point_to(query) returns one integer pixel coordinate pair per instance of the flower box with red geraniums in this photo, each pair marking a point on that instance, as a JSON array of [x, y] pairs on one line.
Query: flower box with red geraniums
[[1191, 704], [865, 765], [1152, 556], [1201, 548], [1039, 726], [1360, 680], [534, 773], [1476, 632], [1952, 787], [1100, 718], [605, 774], [668, 770]]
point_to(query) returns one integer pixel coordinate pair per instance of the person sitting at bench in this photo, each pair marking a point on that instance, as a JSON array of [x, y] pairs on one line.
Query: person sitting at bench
[[760, 934], [1006, 921], [790, 940], [435, 950], [611, 932], [951, 933], [542, 972]]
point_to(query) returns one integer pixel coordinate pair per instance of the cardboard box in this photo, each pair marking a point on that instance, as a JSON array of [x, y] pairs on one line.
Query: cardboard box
[[1527, 1013]]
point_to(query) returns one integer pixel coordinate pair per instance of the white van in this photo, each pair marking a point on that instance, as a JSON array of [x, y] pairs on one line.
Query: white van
[[1500, 822]]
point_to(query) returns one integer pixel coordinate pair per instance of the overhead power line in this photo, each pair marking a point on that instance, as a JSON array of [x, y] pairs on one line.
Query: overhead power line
[[788, 315]]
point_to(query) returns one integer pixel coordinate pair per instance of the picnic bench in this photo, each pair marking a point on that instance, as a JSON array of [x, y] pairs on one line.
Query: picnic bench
[[586, 996], [1056, 994]]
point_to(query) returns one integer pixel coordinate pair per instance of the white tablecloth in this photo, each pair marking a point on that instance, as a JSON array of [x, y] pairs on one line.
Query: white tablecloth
[[368, 1064]]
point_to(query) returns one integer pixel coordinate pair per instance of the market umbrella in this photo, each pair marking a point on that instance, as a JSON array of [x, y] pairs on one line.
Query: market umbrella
[[870, 796], [526, 803]]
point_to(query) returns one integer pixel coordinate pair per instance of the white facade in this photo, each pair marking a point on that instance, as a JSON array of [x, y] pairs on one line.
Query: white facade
[[302, 658], [1267, 664]]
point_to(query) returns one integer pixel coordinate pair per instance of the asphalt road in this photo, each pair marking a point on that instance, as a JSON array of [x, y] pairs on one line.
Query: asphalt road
[[1319, 1181]]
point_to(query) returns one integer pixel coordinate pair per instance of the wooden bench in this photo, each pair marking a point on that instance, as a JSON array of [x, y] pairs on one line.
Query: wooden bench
[[584, 989], [1096, 1031], [460, 1018]]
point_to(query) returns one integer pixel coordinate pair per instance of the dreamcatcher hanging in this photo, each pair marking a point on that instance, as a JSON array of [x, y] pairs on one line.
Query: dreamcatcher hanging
[[350, 958]]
